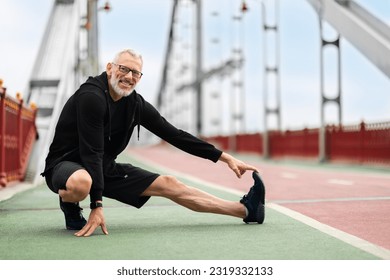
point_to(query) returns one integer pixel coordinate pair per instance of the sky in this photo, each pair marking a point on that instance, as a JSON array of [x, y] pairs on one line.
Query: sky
[[143, 25]]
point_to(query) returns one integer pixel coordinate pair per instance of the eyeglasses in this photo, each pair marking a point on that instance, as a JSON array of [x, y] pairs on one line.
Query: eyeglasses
[[126, 70]]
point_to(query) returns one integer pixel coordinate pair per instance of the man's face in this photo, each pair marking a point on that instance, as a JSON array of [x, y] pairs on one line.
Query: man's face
[[124, 74]]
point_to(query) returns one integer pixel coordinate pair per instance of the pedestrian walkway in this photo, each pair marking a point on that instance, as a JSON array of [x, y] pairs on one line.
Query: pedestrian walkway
[[299, 225]]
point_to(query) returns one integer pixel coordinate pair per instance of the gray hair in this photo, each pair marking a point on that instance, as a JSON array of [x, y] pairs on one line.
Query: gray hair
[[130, 52]]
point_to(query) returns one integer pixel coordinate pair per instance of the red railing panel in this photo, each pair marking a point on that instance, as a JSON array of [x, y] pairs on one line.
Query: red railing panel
[[298, 143], [250, 143], [17, 135], [363, 143]]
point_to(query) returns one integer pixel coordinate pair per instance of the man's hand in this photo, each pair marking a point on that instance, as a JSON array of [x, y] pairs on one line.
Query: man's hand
[[236, 165], [96, 218]]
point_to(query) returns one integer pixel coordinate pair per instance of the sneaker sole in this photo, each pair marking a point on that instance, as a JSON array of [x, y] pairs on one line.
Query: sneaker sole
[[260, 212], [70, 228], [256, 177]]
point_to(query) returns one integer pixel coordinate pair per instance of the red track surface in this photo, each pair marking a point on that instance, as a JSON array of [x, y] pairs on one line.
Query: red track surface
[[353, 201]]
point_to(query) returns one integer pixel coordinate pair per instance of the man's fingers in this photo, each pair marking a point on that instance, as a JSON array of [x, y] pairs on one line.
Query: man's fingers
[[104, 229], [82, 231], [253, 168], [87, 230], [241, 169], [90, 230], [237, 171], [249, 167]]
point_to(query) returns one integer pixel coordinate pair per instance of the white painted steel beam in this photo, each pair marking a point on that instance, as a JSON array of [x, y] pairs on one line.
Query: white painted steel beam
[[363, 30], [54, 77]]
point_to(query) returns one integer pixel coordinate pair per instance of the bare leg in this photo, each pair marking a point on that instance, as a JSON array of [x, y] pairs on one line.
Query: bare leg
[[78, 186], [192, 198]]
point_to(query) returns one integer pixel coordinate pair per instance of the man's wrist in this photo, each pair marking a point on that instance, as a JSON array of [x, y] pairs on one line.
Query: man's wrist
[[96, 204], [225, 157]]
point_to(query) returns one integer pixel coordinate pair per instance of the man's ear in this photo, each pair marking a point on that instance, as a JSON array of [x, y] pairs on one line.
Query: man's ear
[[109, 69]]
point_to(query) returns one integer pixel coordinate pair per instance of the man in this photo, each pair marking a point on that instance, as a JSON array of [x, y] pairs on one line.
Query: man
[[95, 126]]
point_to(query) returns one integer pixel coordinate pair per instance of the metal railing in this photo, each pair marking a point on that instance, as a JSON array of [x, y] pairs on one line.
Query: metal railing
[[361, 143], [17, 136]]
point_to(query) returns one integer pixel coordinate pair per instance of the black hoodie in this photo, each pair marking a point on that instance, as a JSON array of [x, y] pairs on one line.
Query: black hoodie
[[93, 130]]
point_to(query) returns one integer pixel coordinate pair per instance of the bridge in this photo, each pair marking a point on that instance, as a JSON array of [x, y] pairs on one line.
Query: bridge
[[301, 166]]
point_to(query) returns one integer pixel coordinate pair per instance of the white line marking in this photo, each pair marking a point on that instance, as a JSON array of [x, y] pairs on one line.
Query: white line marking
[[338, 199], [9, 191], [341, 182], [341, 235]]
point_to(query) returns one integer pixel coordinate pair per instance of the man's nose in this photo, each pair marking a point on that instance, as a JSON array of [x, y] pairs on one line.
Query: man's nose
[[130, 73]]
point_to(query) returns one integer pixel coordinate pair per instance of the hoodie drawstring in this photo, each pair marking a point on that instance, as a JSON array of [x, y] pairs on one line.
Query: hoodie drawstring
[[138, 121]]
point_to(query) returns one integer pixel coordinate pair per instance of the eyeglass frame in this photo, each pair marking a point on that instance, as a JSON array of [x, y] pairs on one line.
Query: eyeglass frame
[[123, 70]]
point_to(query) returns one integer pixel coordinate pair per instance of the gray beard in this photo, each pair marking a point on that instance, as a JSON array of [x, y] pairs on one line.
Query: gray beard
[[115, 85]]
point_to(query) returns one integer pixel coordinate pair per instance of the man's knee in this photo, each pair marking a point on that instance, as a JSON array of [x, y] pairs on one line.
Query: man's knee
[[169, 180], [164, 185], [79, 183]]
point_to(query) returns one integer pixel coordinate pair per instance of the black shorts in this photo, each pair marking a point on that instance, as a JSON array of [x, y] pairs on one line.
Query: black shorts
[[126, 187]]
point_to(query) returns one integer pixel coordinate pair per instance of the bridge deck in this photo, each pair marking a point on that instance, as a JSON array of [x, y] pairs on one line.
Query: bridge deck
[[314, 212]]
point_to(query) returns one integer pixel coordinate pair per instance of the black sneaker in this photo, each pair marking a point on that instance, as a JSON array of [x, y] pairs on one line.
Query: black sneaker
[[254, 201], [74, 219]]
